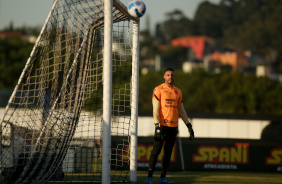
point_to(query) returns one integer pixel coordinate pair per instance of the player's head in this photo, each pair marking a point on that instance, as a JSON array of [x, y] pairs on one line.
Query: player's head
[[169, 69], [169, 76]]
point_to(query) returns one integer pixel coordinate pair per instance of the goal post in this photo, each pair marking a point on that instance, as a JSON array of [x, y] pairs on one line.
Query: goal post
[[107, 92], [73, 114], [134, 102]]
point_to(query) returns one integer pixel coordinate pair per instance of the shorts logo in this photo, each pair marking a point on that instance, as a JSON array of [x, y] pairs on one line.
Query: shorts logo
[[169, 121]]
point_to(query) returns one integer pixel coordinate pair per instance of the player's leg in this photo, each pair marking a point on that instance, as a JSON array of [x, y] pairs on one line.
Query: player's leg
[[154, 156], [170, 134], [153, 159]]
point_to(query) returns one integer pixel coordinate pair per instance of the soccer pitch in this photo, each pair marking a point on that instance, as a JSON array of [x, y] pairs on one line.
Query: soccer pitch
[[215, 177], [196, 177]]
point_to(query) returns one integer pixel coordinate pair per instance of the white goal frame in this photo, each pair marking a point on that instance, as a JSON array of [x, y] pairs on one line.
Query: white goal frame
[[107, 89]]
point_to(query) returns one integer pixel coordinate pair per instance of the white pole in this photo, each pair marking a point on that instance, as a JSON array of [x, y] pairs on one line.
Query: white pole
[[134, 102], [107, 92], [181, 152]]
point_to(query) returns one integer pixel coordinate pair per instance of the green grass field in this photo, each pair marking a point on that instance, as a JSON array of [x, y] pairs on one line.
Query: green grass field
[[215, 177], [199, 177]]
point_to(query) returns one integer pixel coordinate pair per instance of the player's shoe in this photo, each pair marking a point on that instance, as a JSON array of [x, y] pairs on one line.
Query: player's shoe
[[164, 180], [149, 180]]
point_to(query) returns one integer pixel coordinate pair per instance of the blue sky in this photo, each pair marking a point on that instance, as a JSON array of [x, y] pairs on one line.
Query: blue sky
[[34, 12]]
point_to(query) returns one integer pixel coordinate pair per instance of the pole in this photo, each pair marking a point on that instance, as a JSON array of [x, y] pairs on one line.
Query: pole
[[107, 92], [134, 103]]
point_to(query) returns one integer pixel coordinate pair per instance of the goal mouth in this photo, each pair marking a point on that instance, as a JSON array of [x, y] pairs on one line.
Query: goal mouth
[[52, 127]]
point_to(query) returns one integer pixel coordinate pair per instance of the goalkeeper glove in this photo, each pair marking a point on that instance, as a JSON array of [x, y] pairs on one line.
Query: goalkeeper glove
[[191, 131], [158, 132]]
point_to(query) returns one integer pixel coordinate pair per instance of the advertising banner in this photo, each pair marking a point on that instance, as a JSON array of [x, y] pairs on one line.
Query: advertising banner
[[216, 154]]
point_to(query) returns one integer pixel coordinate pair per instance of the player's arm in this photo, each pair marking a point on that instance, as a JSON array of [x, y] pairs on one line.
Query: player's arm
[[183, 113], [156, 108], [184, 117], [158, 130]]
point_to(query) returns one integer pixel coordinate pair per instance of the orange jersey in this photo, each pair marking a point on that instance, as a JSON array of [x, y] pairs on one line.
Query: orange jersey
[[169, 98]]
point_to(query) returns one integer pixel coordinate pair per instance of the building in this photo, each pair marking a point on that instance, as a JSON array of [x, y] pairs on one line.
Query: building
[[18, 35], [6, 34], [201, 45], [237, 59]]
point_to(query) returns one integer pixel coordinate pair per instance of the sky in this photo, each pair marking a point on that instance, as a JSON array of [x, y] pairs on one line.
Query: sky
[[34, 12]]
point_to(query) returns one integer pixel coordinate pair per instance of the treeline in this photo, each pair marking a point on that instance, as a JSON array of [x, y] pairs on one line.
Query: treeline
[[253, 25], [227, 93], [13, 56]]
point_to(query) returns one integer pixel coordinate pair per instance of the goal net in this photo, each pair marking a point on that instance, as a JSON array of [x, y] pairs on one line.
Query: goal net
[[52, 128]]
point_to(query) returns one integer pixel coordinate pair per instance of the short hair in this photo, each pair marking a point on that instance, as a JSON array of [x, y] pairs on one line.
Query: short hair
[[168, 69]]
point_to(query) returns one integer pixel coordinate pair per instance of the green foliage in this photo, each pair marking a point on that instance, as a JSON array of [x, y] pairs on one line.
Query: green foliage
[[173, 57], [148, 49], [174, 26], [253, 25], [25, 30], [209, 20], [147, 83], [247, 24], [13, 56], [231, 93], [121, 90], [258, 26]]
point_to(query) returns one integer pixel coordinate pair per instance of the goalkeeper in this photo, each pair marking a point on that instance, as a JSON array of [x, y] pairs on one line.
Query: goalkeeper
[[167, 107]]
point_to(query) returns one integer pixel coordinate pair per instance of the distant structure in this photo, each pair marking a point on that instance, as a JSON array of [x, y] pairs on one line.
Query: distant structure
[[11, 34], [237, 59], [207, 57], [263, 71], [6, 34], [201, 45]]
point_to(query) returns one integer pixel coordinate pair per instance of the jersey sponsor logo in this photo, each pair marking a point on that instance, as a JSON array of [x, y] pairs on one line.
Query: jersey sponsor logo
[[169, 103], [275, 157], [238, 154], [168, 92]]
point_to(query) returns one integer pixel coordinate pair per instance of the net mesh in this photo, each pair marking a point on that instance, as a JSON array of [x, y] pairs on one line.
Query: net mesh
[[52, 127]]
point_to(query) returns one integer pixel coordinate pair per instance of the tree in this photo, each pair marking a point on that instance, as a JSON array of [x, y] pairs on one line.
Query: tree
[[159, 35], [148, 48], [227, 93], [257, 28], [13, 55], [246, 24], [209, 19], [175, 25], [173, 57]]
